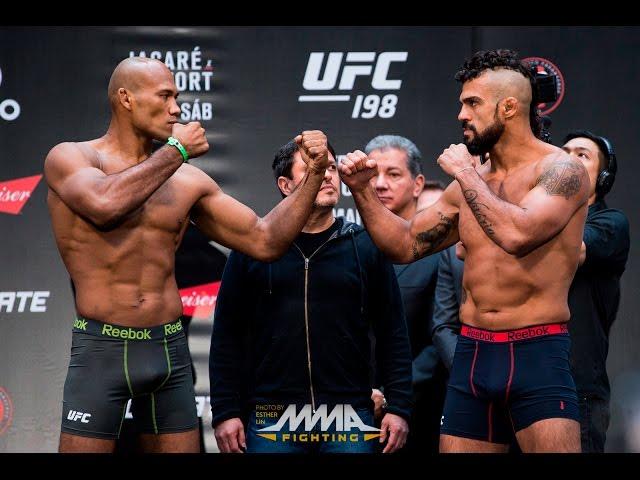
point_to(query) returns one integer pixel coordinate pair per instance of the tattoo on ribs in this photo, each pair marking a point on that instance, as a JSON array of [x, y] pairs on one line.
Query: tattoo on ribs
[[471, 197], [464, 296], [429, 240], [561, 178]]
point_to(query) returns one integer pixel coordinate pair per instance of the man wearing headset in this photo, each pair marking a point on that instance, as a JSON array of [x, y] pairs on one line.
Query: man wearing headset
[[594, 295]]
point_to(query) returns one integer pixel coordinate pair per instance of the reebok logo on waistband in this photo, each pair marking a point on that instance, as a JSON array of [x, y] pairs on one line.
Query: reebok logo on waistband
[[94, 327], [481, 335], [128, 333], [80, 324], [170, 328], [529, 332], [514, 335]]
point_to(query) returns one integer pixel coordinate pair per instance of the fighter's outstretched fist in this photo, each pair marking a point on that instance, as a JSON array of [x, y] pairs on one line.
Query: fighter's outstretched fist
[[192, 137], [313, 149], [356, 170]]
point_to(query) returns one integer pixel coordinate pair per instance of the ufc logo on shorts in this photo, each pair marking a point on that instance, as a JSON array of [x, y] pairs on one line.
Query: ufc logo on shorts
[[339, 70], [74, 416], [356, 64]]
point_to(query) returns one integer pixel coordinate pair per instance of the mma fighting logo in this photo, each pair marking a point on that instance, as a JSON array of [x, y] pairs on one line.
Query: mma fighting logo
[[356, 64], [343, 415], [6, 410], [544, 65], [9, 108]]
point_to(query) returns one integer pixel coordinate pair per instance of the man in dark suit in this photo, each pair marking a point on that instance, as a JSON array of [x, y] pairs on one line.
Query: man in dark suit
[[399, 184], [448, 294]]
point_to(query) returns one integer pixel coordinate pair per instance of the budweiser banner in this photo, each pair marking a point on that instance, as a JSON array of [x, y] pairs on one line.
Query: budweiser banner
[[15, 193], [200, 300]]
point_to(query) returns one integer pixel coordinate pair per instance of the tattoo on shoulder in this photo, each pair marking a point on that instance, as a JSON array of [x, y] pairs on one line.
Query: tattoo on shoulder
[[429, 240], [562, 178], [471, 197]]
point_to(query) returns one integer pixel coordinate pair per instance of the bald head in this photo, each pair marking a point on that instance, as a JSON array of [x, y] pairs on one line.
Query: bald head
[[134, 73], [504, 83]]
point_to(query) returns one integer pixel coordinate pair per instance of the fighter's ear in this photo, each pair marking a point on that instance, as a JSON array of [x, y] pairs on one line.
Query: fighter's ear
[[124, 96], [418, 185], [283, 185], [509, 106]]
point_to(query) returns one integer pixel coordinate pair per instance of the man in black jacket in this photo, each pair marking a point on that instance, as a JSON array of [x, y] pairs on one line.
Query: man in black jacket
[[398, 184], [594, 295], [294, 334], [446, 308]]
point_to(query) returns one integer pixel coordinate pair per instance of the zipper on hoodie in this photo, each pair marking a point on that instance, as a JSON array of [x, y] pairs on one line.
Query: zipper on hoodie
[[306, 312]]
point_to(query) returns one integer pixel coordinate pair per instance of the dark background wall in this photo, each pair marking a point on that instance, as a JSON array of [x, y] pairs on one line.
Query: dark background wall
[[244, 84]]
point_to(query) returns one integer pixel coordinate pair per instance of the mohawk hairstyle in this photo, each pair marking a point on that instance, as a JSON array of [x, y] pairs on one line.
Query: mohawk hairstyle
[[502, 58]]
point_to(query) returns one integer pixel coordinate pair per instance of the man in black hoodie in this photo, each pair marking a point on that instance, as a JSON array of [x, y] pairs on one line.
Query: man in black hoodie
[[293, 337]]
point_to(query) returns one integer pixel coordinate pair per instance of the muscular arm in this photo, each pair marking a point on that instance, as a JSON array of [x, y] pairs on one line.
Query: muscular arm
[[561, 188], [105, 200], [236, 226], [431, 230]]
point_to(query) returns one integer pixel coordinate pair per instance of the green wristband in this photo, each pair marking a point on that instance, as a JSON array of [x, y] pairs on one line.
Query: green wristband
[[176, 143]]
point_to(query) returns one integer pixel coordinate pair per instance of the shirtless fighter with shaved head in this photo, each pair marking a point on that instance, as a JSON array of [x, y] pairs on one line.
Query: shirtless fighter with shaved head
[[119, 213], [520, 216]]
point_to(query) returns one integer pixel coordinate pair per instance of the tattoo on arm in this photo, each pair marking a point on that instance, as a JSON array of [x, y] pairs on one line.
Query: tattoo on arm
[[428, 240], [471, 197], [561, 178]]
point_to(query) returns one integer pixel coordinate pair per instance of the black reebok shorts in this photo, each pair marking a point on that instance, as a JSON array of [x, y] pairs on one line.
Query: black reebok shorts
[[111, 364], [503, 381]]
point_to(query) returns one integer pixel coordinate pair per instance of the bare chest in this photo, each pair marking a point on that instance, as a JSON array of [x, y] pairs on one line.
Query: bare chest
[[474, 213], [166, 210]]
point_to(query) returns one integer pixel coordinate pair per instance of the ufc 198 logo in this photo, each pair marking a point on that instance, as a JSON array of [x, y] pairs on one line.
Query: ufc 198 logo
[[327, 73]]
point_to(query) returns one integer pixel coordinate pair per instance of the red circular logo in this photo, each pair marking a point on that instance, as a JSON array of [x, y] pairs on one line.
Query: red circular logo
[[543, 64], [6, 410]]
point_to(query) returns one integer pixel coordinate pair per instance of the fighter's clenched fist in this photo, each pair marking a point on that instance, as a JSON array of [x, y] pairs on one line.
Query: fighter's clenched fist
[[192, 137], [455, 159], [313, 149], [356, 169]]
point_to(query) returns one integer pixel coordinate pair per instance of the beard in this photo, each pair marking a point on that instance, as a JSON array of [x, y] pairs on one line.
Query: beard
[[483, 142], [325, 203]]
